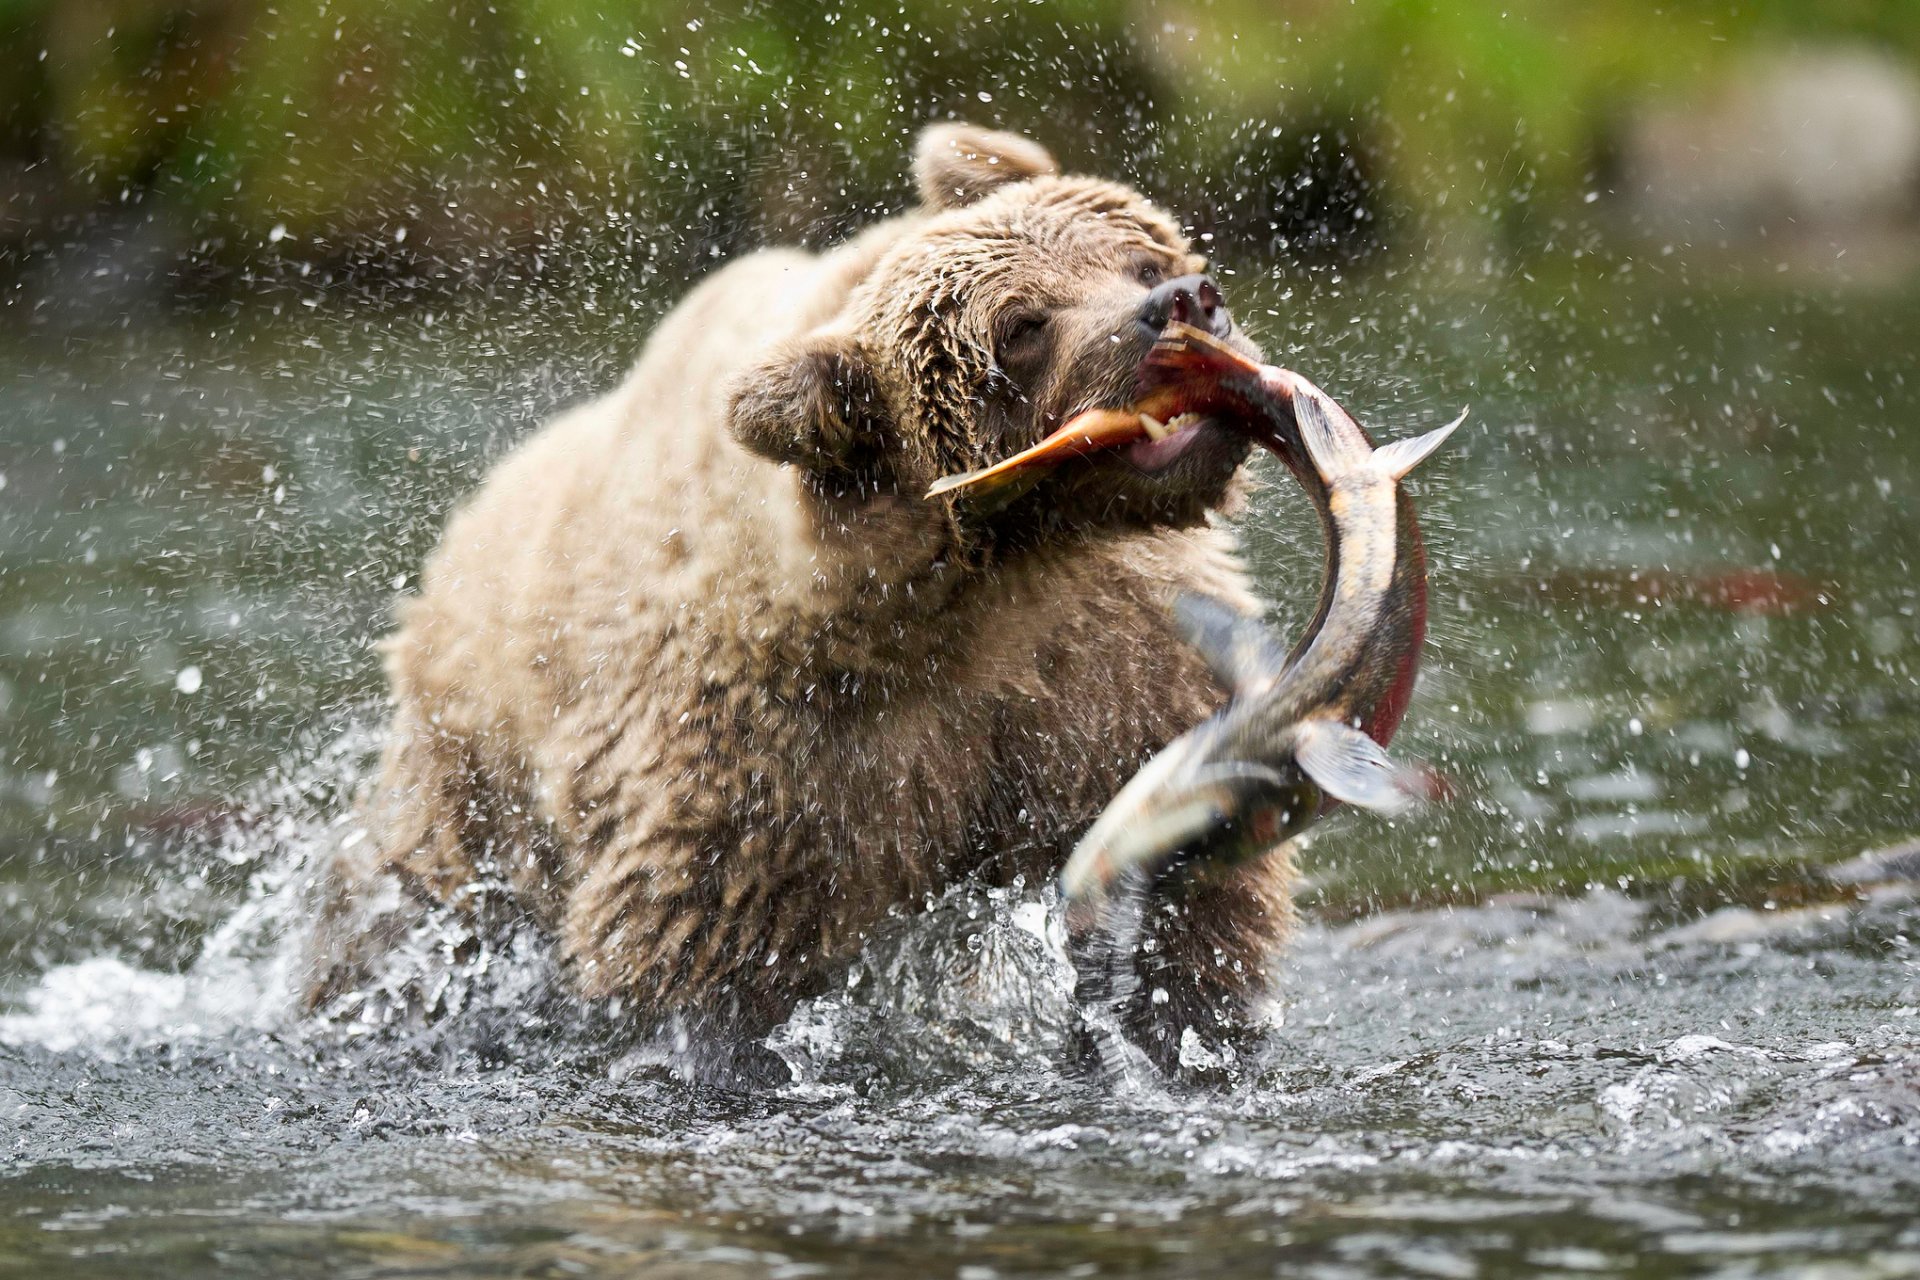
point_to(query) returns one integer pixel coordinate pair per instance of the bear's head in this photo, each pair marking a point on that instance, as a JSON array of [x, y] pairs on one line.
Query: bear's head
[[1017, 299]]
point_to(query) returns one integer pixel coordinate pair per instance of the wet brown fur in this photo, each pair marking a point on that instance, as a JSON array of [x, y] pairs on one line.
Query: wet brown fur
[[700, 676]]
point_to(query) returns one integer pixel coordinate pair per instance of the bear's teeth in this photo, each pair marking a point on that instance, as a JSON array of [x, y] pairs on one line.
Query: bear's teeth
[[1180, 422], [1156, 429]]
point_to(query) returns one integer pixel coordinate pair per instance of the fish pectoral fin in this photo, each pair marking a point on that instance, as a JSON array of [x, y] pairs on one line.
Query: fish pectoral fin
[[1352, 767], [1237, 648], [1403, 456]]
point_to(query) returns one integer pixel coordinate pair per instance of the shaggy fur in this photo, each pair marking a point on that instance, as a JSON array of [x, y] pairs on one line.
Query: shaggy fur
[[700, 676]]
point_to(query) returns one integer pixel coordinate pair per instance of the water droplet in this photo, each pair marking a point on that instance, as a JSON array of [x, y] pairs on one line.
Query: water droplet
[[188, 681]]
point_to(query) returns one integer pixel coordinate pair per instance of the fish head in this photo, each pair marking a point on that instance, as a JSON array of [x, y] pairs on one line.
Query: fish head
[[1190, 805]]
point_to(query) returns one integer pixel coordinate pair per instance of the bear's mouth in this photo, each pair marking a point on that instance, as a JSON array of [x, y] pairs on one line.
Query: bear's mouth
[[1134, 436], [1167, 442], [1183, 377]]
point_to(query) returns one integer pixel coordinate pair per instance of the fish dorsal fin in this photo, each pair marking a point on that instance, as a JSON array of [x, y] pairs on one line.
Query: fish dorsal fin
[[1335, 444], [1238, 649], [1352, 767], [1402, 456]]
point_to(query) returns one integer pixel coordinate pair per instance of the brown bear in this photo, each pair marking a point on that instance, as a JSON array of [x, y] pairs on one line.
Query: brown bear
[[707, 684]]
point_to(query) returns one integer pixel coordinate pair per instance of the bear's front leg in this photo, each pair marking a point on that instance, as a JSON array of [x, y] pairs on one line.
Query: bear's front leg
[[1203, 945], [705, 917]]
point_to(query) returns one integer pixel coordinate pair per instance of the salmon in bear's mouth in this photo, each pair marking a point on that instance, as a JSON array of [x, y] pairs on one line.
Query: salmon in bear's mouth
[[1159, 428]]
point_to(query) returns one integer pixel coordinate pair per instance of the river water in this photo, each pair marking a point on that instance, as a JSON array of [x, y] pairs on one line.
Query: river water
[[1632, 1003]]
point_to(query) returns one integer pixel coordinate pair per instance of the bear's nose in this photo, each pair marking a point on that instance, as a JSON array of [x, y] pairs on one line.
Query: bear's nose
[[1193, 300]]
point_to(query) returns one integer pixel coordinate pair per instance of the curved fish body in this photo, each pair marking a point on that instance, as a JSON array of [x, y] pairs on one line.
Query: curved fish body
[[1305, 729]]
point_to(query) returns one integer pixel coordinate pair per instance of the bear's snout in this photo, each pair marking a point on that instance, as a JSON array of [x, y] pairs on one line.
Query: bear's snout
[[1194, 300]]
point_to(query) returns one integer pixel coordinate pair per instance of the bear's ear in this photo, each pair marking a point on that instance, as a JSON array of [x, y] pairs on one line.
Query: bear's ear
[[956, 164], [813, 402]]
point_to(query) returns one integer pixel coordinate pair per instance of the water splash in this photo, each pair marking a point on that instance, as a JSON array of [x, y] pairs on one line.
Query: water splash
[[979, 978]]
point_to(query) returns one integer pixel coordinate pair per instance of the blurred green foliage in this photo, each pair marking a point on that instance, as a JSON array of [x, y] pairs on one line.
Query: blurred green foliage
[[1499, 101], [458, 129]]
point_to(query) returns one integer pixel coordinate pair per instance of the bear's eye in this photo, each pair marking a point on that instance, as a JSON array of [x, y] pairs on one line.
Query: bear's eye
[[1021, 331], [1150, 274]]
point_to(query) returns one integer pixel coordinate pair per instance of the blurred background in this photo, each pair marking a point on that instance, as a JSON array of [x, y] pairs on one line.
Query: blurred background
[[181, 152], [279, 280]]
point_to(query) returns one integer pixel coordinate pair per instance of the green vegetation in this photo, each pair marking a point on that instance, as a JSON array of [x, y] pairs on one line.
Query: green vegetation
[[475, 128]]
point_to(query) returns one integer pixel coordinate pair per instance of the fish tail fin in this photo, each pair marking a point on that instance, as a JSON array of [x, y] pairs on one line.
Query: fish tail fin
[[1350, 766], [1402, 456], [1336, 445]]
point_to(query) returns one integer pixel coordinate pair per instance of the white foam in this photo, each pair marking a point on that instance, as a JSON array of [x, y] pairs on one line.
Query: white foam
[[106, 1004], [244, 976]]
